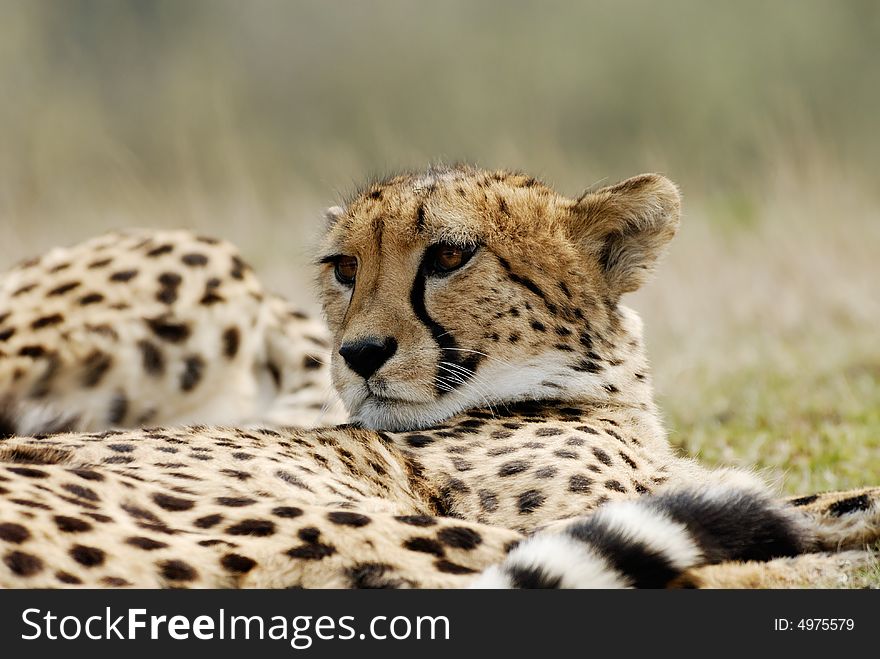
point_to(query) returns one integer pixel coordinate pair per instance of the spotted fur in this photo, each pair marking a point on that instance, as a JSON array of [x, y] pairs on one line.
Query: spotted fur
[[503, 429], [153, 327]]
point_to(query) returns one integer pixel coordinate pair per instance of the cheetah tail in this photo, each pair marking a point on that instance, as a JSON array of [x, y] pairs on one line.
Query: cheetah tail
[[651, 542]]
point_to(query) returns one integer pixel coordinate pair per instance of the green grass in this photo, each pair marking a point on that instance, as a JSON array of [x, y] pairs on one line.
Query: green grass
[[867, 576], [818, 428]]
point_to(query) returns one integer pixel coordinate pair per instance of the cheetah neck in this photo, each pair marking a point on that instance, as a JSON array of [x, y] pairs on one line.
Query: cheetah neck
[[610, 372]]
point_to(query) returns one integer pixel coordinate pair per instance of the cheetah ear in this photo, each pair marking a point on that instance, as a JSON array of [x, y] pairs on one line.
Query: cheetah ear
[[627, 226], [332, 215]]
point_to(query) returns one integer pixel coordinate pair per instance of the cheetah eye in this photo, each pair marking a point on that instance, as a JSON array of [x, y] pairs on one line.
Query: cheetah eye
[[443, 258], [345, 268]]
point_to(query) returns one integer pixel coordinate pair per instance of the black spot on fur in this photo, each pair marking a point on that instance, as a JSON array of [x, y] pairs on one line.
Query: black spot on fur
[[416, 520], [147, 544], [160, 250], [87, 474], [418, 440], [313, 549], [193, 368], [32, 351], [348, 519], [587, 366], [14, 533], [602, 456], [237, 563], [27, 472], [63, 288], [33, 455], [71, 524], [87, 556], [47, 321], [177, 570], [231, 339], [172, 503], [488, 501], [124, 275], [96, 365], [169, 282], [208, 521], [81, 491], [372, 575], [628, 460], [235, 502], [287, 512], [255, 527], [66, 577], [448, 567], [151, 358], [23, 564], [238, 269], [91, 298], [514, 467], [530, 500], [804, 501], [194, 259], [849, 506], [292, 479], [114, 582], [211, 298], [118, 409], [168, 331], [425, 546], [459, 537], [579, 484]]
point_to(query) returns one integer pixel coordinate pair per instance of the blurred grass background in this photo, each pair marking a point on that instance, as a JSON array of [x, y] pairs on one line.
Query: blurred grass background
[[244, 119]]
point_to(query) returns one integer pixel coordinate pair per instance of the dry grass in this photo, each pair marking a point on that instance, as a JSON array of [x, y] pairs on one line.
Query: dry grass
[[763, 332]]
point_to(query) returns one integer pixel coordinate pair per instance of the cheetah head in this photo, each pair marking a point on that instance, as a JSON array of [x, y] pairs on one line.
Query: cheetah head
[[458, 288]]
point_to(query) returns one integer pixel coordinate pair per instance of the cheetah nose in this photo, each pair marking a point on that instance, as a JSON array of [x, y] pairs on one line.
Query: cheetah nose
[[366, 356]]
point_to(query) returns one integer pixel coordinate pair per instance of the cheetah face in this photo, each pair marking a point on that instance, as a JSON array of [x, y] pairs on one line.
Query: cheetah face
[[459, 288]]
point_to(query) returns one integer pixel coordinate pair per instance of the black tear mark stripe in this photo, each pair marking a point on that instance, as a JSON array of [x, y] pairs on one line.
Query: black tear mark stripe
[[449, 352]]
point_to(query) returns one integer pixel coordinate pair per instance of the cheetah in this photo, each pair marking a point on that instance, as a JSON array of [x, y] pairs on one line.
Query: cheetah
[[502, 429], [144, 328]]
